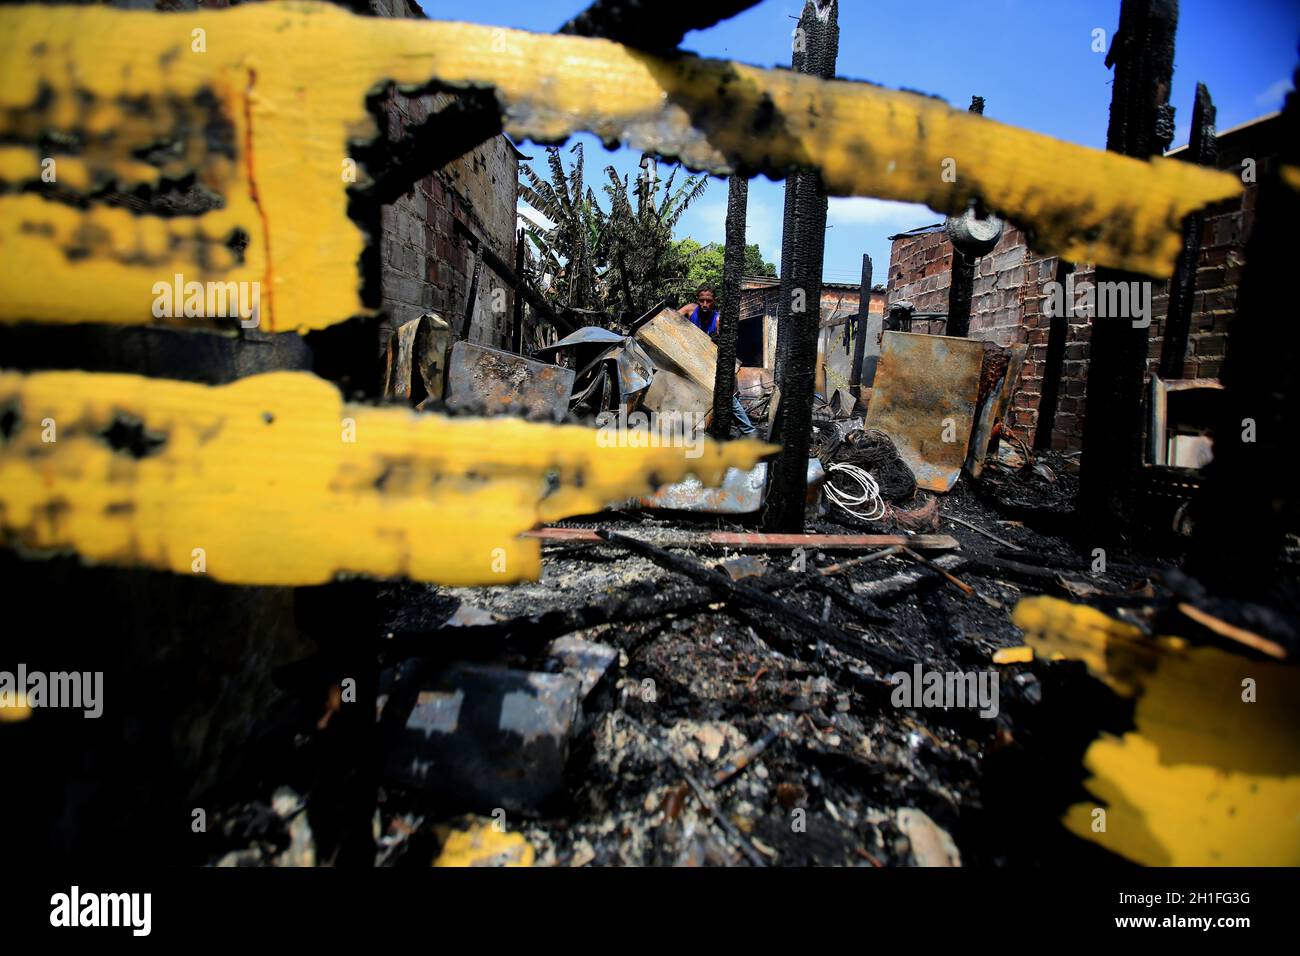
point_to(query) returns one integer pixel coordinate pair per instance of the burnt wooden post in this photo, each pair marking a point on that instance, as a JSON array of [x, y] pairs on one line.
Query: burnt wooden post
[[799, 311], [517, 319], [1141, 125], [733, 264], [1202, 149], [472, 297], [816, 44], [963, 272], [1057, 334], [864, 319], [1249, 502]]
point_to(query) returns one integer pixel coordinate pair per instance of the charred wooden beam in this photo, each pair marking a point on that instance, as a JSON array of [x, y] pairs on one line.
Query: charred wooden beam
[[818, 24], [864, 320], [517, 318], [745, 594], [1141, 126], [733, 264], [1202, 149], [962, 286], [749, 541], [466, 123], [472, 296], [515, 280], [1058, 332], [657, 25], [799, 311]]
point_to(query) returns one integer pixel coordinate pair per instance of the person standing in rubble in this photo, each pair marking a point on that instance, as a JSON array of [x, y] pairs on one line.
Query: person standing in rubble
[[704, 315]]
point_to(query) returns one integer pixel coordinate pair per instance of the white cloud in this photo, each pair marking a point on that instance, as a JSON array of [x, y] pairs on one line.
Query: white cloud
[[525, 211], [861, 211], [1272, 97]]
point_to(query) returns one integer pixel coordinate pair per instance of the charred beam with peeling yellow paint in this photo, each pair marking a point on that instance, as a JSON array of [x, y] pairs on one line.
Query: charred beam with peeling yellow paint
[[283, 89], [275, 480], [1210, 773]]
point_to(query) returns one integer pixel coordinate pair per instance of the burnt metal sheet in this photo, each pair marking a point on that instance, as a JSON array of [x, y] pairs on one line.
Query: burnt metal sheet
[[485, 737], [634, 368], [674, 342], [925, 391], [741, 492], [993, 406], [587, 335], [484, 381], [417, 359]]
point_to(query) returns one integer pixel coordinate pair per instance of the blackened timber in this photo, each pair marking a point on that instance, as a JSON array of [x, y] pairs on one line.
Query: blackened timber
[[515, 280], [799, 311], [864, 319], [472, 295], [746, 595], [517, 318], [815, 49], [1058, 331], [733, 264], [530, 632], [1249, 503], [962, 287], [1141, 126], [1202, 149], [654, 25], [466, 123]]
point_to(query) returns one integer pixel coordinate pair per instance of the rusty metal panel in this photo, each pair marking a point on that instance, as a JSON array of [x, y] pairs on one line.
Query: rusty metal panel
[[925, 392], [419, 346], [484, 381], [675, 342], [993, 408], [670, 392]]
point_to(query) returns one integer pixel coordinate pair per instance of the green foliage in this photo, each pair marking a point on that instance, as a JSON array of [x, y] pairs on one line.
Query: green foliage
[[620, 261], [705, 265]]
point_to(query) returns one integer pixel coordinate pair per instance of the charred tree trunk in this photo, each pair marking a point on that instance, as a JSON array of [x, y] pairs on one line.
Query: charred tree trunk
[[1249, 503], [1201, 150], [799, 312], [733, 264], [1141, 125]]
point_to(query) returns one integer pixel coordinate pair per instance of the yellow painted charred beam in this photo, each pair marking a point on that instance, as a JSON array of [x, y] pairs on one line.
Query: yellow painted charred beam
[[260, 102], [1210, 774], [275, 480]]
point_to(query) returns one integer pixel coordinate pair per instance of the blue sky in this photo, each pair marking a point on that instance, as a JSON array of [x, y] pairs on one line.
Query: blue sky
[[1038, 72]]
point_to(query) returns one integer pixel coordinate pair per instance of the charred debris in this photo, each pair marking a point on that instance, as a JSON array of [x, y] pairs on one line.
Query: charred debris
[[877, 647]]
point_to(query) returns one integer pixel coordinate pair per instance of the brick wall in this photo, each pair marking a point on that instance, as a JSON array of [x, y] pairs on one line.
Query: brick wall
[[920, 270], [1010, 287], [426, 263]]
